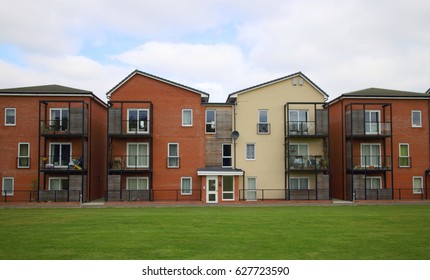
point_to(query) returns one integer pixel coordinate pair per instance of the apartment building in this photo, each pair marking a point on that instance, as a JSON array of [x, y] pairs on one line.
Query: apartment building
[[156, 140], [282, 147], [380, 145], [52, 144]]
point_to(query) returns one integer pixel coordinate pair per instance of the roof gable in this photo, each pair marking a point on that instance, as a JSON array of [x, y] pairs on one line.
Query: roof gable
[[298, 74], [204, 95]]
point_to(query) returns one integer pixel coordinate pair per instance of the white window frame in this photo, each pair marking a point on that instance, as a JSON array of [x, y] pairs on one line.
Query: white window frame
[[14, 116], [254, 153], [400, 155], [304, 158], [3, 186], [227, 192], [182, 186], [298, 180], [415, 190], [139, 130], [184, 112], [369, 125], [61, 118], [172, 157], [57, 178], [23, 157], [137, 165], [362, 157], [211, 123], [370, 182], [227, 157], [298, 126], [137, 179], [267, 122], [51, 156], [251, 192], [420, 118]]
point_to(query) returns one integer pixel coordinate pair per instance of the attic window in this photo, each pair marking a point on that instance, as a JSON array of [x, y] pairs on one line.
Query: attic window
[[298, 81]]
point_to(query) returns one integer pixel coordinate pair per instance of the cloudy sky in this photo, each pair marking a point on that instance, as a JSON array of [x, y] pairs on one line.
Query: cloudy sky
[[218, 46]]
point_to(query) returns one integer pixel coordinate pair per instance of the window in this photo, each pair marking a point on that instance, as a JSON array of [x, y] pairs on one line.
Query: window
[[416, 119], [138, 121], [60, 154], [372, 120], [23, 155], [173, 155], [210, 121], [228, 188], [186, 184], [10, 116], [263, 122], [417, 186], [298, 122], [404, 159], [58, 184], [373, 183], [187, 117], [137, 155], [250, 151], [7, 186], [137, 183], [59, 119], [251, 191], [299, 183], [298, 156], [226, 155], [370, 155]]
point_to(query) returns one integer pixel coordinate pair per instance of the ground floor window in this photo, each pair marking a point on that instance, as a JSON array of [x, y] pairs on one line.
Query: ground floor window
[[137, 183], [228, 188], [186, 185], [417, 184], [57, 184], [373, 183], [7, 186], [251, 188], [299, 183]]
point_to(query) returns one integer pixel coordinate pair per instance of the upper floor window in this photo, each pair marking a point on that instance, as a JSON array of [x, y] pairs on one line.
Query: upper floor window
[[404, 159], [250, 151], [23, 155], [371, 155], [10, 116], [59, 119], [298, 121], [137, 155], [138, 121], [173, 155], [187, 117], [61, 154], [416, 118], [372, 121], [227, 158], [263, 122], [210, 121]]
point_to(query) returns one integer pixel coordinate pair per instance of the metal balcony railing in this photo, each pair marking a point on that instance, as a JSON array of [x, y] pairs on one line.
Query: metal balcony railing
[[306, 128], [371, 163], [313, 162], [124, 163], [57, 163], [129, 127]]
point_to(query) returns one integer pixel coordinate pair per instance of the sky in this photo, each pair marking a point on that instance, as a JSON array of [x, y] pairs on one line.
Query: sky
[[216, 46]]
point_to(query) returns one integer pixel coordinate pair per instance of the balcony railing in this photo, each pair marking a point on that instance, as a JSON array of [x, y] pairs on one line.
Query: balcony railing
[[369, 129], [128, 163], [306, 128], [129, 127], [66, 163], [371, 163], [62, 127], [308, 162]]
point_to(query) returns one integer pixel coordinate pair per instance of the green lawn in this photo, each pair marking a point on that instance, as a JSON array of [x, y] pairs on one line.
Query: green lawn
[[315, 232]]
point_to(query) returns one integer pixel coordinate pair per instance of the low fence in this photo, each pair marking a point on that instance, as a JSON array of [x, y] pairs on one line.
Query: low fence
[[283, 194], [153, 195], [391, 194], [42, 196]]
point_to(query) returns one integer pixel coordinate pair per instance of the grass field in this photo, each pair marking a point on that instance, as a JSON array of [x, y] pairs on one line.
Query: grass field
[[183, 233]]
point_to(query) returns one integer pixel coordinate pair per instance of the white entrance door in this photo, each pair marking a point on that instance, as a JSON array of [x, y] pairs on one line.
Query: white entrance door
[[212, 189]]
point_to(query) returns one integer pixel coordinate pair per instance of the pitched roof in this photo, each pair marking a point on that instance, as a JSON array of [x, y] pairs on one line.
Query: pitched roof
[[44, 89], [138, 72], [380, 92], [277, 81]]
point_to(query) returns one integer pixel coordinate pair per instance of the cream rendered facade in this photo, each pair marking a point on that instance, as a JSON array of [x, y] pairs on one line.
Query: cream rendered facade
[[266, 171]]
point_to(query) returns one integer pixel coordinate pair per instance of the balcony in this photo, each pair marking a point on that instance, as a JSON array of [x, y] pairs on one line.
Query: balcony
[[306, 129], [366, 164], [56, 164], [369, 130], [64, 128], [129, 128], [128, 164], [308, 163]]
